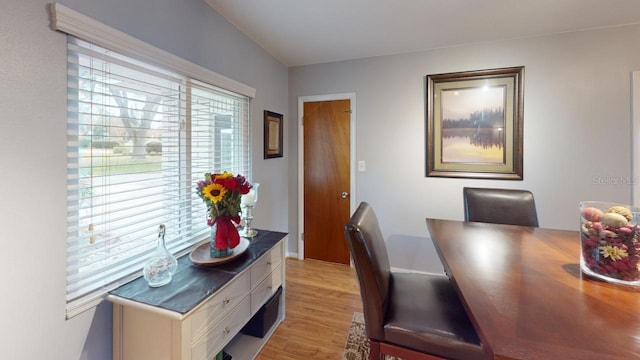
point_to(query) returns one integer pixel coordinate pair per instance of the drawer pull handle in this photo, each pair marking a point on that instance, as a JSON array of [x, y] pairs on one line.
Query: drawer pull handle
[[226, 330], [269, 263], [226, 300]]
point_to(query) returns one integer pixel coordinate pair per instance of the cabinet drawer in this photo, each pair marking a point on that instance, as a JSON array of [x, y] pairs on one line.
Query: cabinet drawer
[[219, 304], [265, 289], [265, 265], [207, 346]]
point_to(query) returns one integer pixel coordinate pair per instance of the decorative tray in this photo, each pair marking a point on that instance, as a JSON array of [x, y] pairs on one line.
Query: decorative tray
[[201, 255]]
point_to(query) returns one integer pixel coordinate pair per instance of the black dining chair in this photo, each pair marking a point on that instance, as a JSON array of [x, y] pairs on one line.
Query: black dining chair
[[500, 206], [407, 315]]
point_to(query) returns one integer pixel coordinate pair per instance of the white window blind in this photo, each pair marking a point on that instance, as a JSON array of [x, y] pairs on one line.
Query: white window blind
[[139, 139]]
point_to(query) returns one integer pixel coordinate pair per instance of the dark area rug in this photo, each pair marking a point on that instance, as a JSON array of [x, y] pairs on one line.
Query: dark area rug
[[357, 347]]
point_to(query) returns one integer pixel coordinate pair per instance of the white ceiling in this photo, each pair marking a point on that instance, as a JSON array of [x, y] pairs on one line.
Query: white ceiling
[[303, 32]]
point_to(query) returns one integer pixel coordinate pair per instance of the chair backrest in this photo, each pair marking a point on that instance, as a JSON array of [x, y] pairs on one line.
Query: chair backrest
[[500, 206], [371, 260]]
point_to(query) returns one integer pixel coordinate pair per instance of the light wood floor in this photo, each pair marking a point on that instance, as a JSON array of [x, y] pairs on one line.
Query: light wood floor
[[321, 298]]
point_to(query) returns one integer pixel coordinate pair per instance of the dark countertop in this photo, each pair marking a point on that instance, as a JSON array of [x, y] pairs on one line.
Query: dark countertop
[[191, 284]]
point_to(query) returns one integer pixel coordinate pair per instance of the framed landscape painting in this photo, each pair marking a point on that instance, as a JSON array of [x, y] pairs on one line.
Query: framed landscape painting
[[474, 124]]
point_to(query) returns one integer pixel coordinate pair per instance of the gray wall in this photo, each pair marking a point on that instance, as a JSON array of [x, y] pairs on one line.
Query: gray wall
[[576, 129], [33, 155], [577, 126]]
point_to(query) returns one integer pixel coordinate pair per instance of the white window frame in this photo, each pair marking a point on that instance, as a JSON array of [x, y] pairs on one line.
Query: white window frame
[[73, 23]]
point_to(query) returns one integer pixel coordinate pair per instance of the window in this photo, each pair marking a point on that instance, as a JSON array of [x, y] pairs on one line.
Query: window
[[139, 138]]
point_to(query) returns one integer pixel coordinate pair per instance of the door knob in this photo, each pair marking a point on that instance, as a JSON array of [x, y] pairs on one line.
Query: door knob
[[344, 195]]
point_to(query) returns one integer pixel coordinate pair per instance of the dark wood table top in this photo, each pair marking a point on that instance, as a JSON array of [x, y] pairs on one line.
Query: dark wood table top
[[524, 292]]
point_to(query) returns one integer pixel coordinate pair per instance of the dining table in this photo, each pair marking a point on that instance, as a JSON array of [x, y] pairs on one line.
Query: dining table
[[527, 298]]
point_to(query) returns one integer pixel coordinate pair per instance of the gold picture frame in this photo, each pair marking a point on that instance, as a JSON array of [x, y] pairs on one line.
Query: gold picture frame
[[474, 124], [273, 141]]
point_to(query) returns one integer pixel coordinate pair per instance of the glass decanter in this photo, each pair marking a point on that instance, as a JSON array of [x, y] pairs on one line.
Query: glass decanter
[[161, 265]]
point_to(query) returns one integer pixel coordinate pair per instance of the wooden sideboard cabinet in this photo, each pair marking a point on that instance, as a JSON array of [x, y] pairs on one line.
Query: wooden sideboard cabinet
[[202, 310]]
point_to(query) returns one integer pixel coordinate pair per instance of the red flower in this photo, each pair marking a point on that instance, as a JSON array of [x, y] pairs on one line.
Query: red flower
[[231, 184]]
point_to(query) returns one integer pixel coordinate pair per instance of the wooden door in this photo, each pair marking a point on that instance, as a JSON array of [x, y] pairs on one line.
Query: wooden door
[[326, 126]]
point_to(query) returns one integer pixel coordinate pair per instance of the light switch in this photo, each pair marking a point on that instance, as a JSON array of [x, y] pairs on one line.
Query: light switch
[[362, 166]]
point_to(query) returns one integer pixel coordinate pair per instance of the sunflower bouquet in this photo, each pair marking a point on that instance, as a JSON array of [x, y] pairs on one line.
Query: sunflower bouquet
[[221, 193]]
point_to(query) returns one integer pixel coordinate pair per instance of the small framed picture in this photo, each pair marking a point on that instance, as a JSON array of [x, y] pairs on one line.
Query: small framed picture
[[272, 135], [474, 124]]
